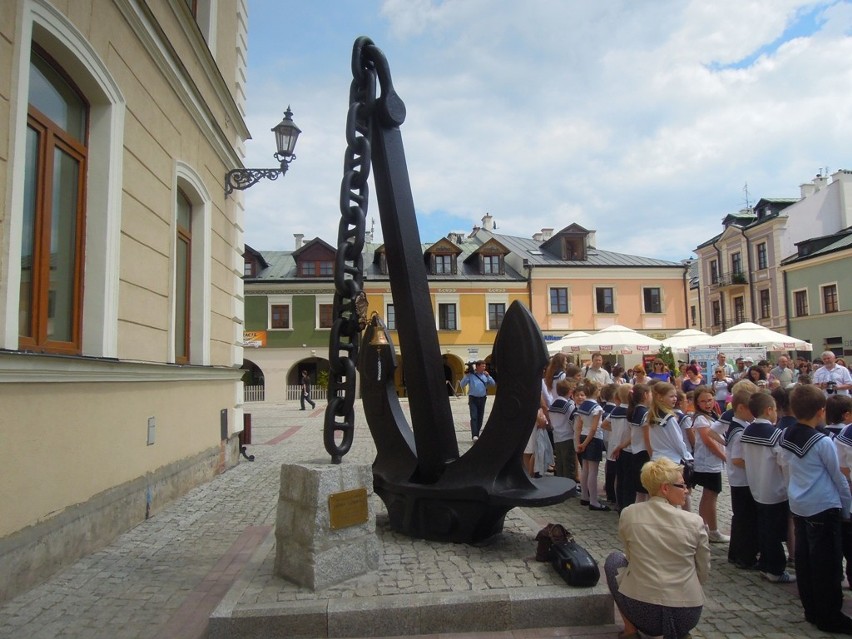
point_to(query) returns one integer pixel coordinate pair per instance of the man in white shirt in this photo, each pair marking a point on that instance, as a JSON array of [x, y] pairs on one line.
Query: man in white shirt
[[831, 377], [596, 371]]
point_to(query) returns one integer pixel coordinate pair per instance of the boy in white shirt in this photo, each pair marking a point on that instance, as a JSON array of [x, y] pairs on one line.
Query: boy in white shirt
[[768, 484]]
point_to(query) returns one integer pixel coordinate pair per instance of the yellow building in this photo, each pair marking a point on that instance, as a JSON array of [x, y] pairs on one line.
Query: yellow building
[[120, 266]]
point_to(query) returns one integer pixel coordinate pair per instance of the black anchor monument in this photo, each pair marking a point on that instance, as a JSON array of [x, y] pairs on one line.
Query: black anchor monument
[[430, 491]]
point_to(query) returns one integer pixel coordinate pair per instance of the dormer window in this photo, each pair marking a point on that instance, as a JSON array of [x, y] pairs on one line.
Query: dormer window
[[314, 259], [492, 264], [319, 268], [573, 249], [443, 264], [253, 262]]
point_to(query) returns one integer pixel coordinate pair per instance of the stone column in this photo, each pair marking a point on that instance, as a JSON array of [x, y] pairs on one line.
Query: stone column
[[308, 551]]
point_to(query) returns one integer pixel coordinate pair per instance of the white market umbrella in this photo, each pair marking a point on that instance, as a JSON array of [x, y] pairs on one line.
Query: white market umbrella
[[685, 340], [616, 339], [562, 345], [750, 334]]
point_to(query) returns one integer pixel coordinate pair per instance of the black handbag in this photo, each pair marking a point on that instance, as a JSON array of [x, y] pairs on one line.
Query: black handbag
[[573, 562]]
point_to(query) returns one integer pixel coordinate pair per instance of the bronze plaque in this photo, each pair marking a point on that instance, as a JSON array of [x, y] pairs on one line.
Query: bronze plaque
[[348, 508]]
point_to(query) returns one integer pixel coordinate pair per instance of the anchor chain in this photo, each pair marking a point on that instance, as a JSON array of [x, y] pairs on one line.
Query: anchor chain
[[350, 302]]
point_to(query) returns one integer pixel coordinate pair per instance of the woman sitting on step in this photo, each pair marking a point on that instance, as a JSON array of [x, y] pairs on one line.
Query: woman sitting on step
[[656, 582]]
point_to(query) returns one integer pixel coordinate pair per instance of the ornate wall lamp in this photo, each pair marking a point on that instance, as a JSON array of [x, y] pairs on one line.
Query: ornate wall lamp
[[286, 135]]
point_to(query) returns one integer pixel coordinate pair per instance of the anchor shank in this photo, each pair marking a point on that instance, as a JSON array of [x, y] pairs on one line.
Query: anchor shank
[[431, 416]]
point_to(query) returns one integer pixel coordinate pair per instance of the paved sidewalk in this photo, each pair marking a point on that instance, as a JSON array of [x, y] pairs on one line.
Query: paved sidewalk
[[163, 578]]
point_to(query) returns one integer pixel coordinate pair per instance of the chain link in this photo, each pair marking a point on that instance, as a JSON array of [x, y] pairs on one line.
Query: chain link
[[350, 303]]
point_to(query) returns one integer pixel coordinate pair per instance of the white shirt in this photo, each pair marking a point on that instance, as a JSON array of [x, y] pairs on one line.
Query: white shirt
[[838, 374], [705, 460], [618, 433], [736, 474], [767, 477], [667, 441]]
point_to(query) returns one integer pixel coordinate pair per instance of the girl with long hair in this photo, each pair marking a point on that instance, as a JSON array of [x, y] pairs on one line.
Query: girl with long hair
[[588, 440], [710, 458], [555, 372]]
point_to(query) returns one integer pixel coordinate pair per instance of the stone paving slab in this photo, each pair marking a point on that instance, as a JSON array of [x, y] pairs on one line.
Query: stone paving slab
[[138, 587]]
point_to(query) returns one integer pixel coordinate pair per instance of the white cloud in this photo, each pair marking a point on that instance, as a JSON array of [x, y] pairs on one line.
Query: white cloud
[[617, 115]]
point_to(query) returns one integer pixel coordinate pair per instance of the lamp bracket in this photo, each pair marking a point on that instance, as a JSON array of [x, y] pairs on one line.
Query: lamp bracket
[[241, 179]]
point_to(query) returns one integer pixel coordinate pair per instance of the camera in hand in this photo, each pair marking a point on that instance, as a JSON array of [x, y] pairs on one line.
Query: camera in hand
[[831, 388]]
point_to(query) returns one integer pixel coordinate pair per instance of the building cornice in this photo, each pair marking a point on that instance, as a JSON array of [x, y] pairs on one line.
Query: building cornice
[[19, 368]]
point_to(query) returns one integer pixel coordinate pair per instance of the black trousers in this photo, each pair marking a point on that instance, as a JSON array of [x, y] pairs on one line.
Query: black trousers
[[609, 481], [846, 542], [625, 493], [819, 570], [771, 533], [743, 547]]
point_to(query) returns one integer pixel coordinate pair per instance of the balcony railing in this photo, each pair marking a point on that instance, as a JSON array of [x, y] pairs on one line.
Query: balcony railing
[[730, 279]]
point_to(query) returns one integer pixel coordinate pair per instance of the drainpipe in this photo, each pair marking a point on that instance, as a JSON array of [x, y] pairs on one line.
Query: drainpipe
[[718, 276], [750, 271], [786, 303], [686, 293]]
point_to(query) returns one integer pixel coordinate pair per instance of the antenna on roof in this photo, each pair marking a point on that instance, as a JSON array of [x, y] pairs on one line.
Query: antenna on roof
[[747, 203]]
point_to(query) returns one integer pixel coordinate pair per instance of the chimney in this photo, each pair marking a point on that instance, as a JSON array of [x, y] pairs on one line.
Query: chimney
[[805, 190], [591, 239], [537, 237], [820, 181], [299, 237], [546, 234], [488, 222]]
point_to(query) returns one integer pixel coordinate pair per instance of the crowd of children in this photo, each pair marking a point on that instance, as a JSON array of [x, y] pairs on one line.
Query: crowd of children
[[787, 454]]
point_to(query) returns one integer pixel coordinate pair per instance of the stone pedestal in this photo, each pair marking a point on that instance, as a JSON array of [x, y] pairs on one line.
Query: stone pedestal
[[308, 552]]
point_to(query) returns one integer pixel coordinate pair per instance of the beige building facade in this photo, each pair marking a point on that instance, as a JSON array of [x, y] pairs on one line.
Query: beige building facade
[[120, 266]]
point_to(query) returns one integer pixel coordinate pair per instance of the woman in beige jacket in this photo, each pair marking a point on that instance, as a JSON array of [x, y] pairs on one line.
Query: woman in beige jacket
[[656, 582]]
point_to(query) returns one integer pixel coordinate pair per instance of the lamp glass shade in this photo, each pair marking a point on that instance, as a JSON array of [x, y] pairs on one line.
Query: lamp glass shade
[[286, 134]]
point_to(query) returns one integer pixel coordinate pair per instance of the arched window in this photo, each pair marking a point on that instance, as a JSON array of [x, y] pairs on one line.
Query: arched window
[[53, 232], [191, 267], [183, 277]]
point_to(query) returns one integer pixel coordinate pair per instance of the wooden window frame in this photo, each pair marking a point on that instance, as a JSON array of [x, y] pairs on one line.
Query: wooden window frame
[[764, 299], [762, 257], [489, 262], [496, 315], [561, 307], [612, 300], [445, 321], [800, 303], [286, 315], [50, 139], [736, 262], [184, 235], [325, 316], [716, 312], [659, 300], [446, 260], [830, 303]]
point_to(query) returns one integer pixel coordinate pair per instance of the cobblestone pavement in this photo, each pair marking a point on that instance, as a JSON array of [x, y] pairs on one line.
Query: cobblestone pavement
[[162, 578]]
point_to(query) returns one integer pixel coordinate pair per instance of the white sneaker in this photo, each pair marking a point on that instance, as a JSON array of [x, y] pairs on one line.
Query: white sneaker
[[475, 438], [784, 578], [717, 538]]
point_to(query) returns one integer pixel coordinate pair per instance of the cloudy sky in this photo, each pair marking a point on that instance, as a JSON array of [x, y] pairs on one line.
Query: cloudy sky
[[641, 120]]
